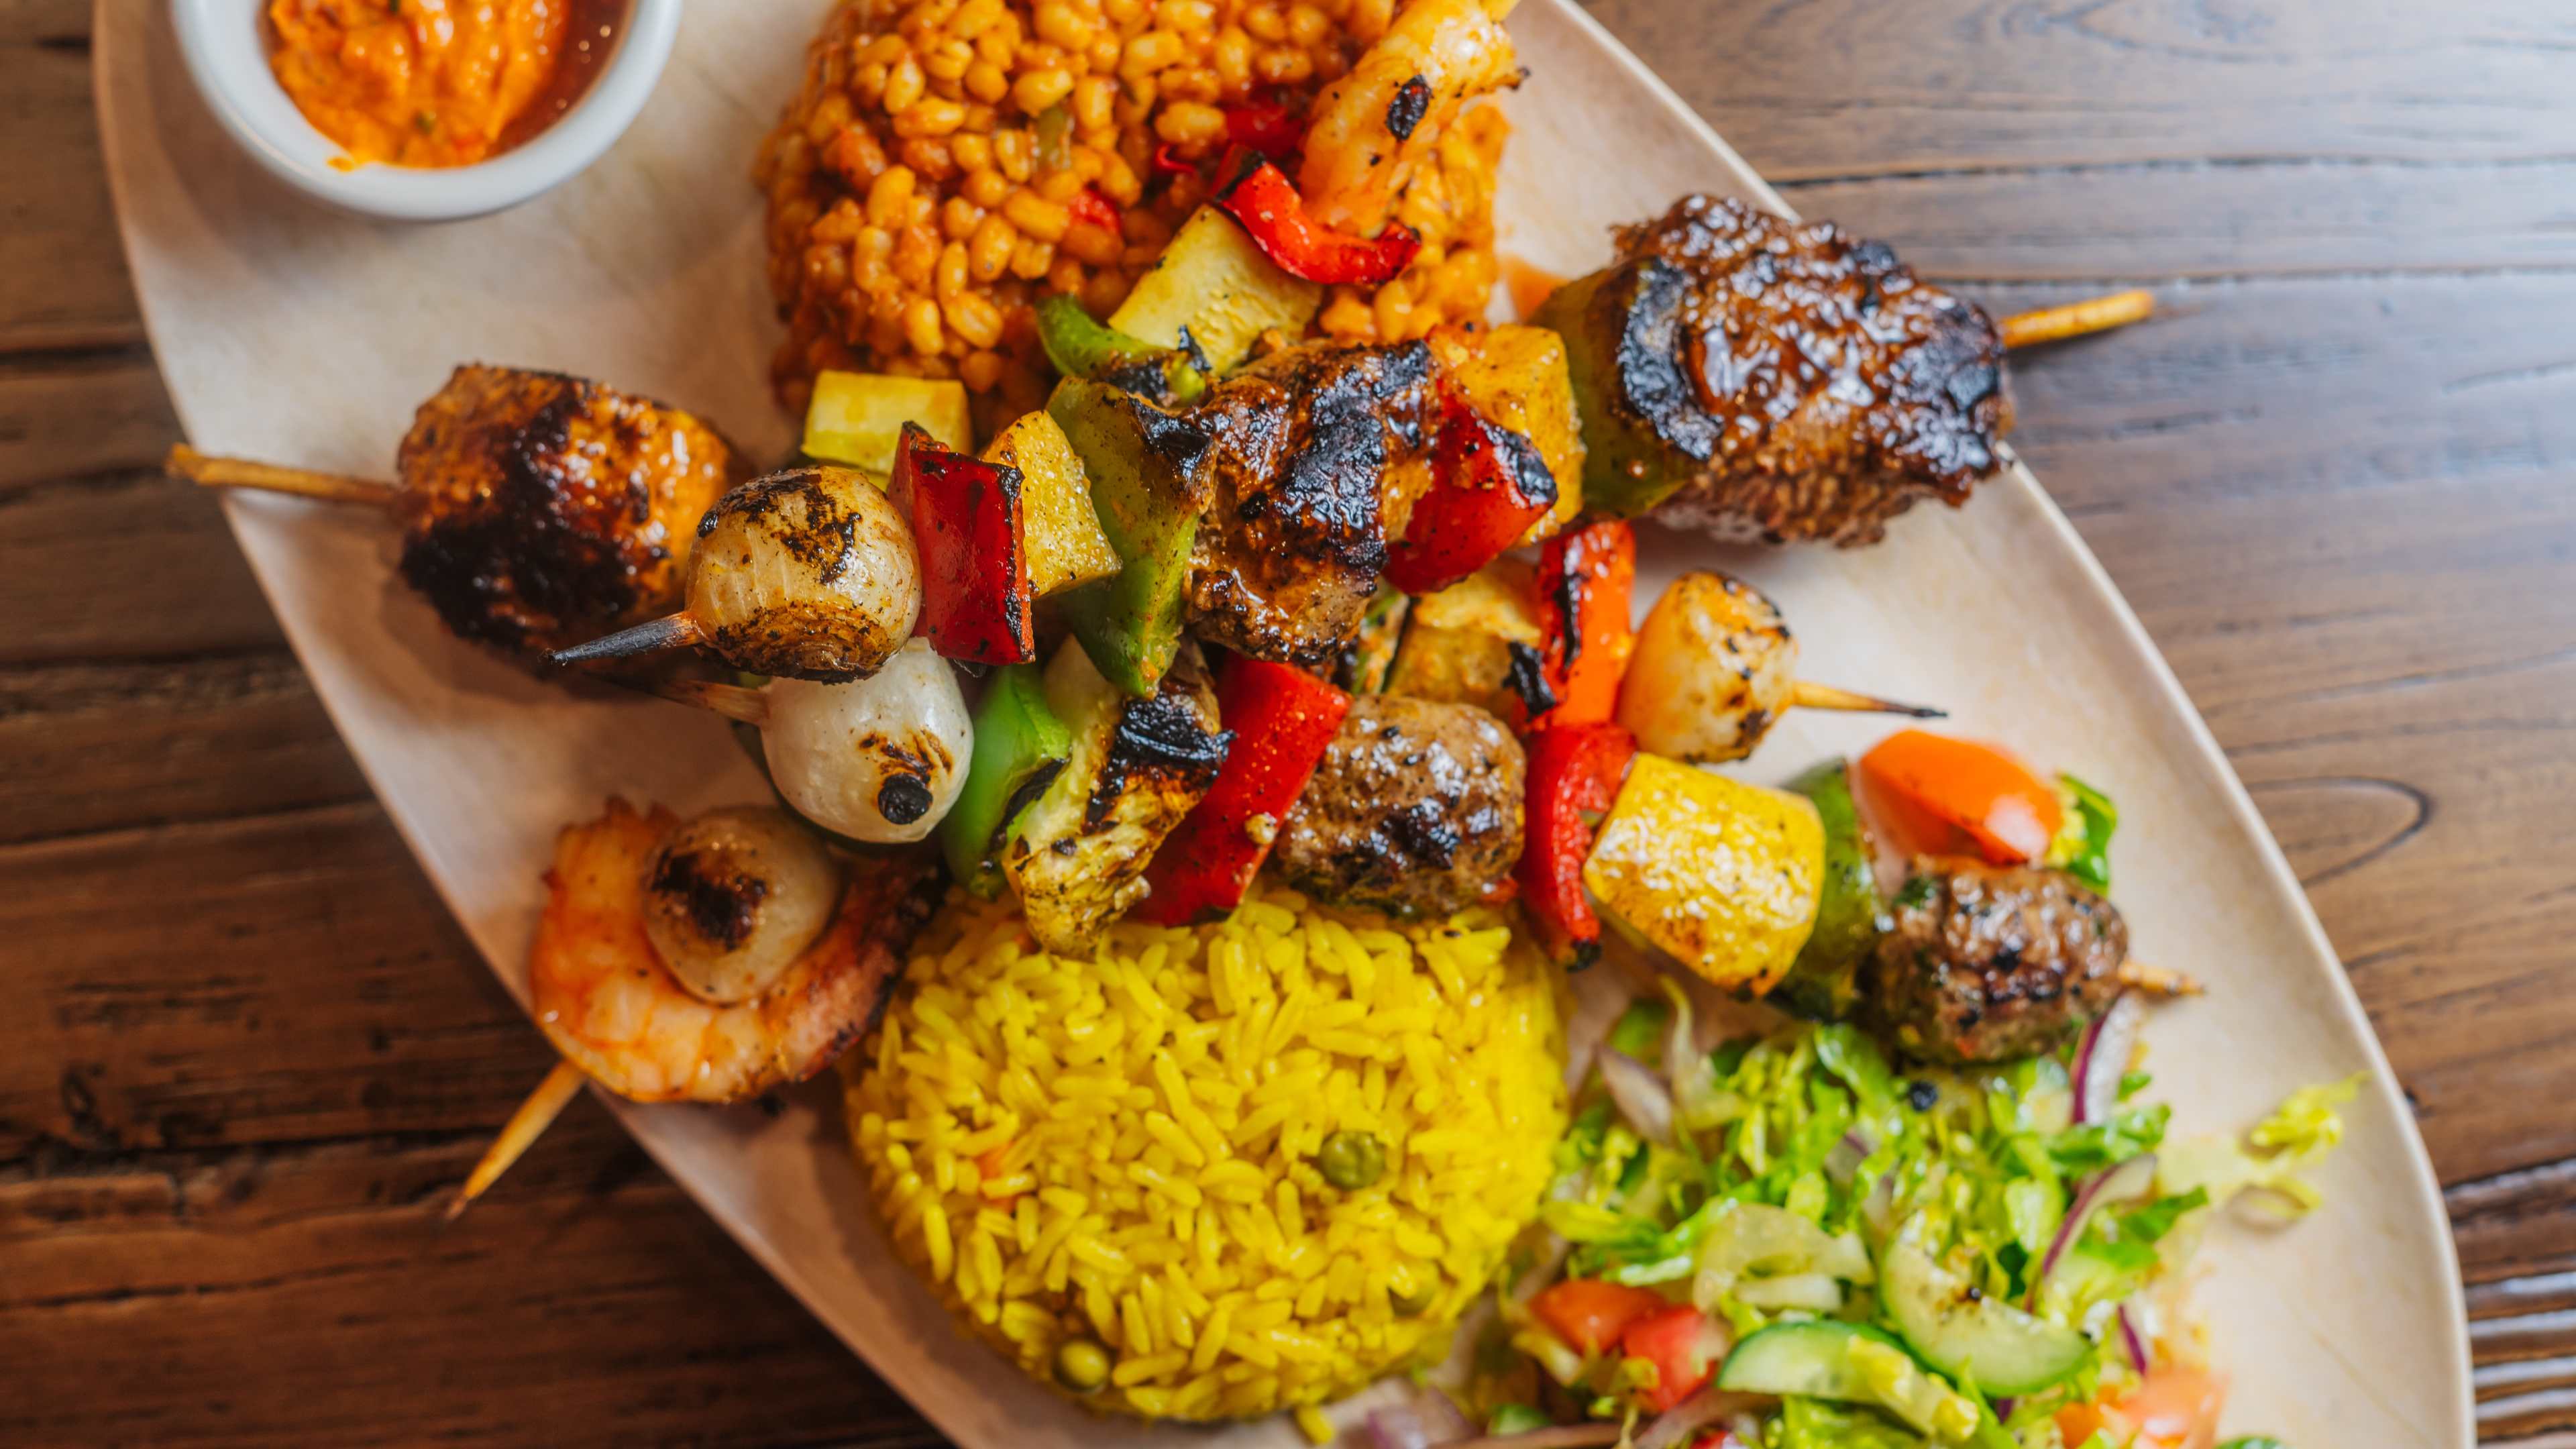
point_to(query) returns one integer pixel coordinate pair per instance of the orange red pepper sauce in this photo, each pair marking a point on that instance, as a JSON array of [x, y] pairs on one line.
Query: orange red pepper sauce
[[435, 82]]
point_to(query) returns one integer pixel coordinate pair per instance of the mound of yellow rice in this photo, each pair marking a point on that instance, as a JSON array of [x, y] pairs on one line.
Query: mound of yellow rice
[[1122, 1149]]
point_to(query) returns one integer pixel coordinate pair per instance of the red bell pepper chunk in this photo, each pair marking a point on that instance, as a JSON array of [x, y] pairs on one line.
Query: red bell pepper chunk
[[1089, 205], [1585, 578], [1573, 770], [1281, 719], [1489, 484], [1681, 1344], [1167, 161], [965, 516], [1266, 127], [1589, 1315], [1266, 202]]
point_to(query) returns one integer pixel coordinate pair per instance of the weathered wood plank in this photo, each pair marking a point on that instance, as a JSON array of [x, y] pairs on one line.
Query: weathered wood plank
[[280, 978], [1851, 88], [312, 1295], [2193, 220], [86, 748], [119, 566], [57, 227]]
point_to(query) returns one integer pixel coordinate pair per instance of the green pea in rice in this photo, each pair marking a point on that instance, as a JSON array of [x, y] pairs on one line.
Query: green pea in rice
[[1121, 1148]]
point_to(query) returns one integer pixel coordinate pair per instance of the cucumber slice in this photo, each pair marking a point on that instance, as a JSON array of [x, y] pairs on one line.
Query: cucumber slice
[[1849, 1363], [1997, 1346]]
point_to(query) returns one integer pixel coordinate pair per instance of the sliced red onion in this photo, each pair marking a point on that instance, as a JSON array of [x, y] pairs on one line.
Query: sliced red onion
[[1842, 1164], [1676, 1425], [2102, 1059], [1542, 1271], [2134, 1341], [1423, 1422], [1642, 1096], [2120, 1182], [2004, 1406], [1562, 1436], [1879, 1208]]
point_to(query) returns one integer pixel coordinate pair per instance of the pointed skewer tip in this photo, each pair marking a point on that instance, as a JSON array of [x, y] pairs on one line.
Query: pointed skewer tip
[[518, 1134], [651, 636], [1806, 694]]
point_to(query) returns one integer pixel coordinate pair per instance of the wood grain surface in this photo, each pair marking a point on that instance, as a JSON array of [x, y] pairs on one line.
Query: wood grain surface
[[249, 1053]]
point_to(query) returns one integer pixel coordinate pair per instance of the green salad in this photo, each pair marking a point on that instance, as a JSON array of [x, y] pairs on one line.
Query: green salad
[[1790, 1243]]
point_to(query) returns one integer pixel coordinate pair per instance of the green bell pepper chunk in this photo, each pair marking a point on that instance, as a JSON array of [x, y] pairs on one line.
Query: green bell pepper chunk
[[1644, 431], [1080, 346], [1020, 747], [2083, 845], [1148, 483], [1821, 983]]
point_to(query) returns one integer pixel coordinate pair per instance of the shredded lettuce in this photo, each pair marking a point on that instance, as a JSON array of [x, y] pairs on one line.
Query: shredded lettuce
[[1814, 1424], [2087, 821], [2270, 1160]]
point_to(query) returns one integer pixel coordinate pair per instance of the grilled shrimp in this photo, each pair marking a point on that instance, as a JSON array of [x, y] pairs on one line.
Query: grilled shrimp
[[1372, 125], [612, 1005]]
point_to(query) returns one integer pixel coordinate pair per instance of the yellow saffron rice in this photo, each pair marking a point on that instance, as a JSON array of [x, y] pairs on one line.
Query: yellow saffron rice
[[1123, 1149]]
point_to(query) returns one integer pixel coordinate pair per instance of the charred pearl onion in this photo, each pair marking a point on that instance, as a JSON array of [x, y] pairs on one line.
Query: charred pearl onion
[[805, 574], [1713, 670], [880, 760], [734, 897]]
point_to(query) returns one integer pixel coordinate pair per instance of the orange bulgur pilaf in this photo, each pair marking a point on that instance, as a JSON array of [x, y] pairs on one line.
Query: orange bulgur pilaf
[[925, 186]]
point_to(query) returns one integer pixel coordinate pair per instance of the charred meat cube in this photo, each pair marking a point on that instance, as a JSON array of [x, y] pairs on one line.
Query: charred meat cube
[[1776, 381], [1290, 549], [541, 511]]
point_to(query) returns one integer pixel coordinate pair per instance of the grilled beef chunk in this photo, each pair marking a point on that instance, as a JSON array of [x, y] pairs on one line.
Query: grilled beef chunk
[[1839, 388], [1985, 963], [1416, 809], [1289, 551], [541, 511]]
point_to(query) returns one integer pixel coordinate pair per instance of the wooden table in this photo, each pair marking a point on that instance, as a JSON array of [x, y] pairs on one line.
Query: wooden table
[[249, 1055]]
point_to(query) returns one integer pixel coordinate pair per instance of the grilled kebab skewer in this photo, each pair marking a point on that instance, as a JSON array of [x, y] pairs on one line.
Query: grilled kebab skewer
[[1776, 381], [537, 510]]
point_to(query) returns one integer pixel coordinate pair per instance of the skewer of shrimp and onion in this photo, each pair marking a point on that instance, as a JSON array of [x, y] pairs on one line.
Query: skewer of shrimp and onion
[[711, 961]]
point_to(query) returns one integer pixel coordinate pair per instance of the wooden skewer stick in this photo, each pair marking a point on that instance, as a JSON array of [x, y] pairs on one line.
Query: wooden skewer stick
[[653, 635], [733, 701], [520, 1133], [2157, 980], [2075, 319], [190, 466], [1806, 694]]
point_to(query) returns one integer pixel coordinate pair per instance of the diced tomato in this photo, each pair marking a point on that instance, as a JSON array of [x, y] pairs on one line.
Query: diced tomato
[[1590, 1315], [1931, 794], [1680, 1343], [2172, 1408]]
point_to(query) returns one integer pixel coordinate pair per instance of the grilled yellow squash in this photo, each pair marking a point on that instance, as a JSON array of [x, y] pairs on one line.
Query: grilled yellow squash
[[1138, 765], [1723, 875]]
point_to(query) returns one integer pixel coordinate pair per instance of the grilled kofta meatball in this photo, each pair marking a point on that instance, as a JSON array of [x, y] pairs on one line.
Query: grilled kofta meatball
[[1985, 963], [539, 510], [1292, 543], [1416, 809]]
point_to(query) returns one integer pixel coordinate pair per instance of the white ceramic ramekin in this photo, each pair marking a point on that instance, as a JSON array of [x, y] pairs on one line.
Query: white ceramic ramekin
[[228, 57]]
